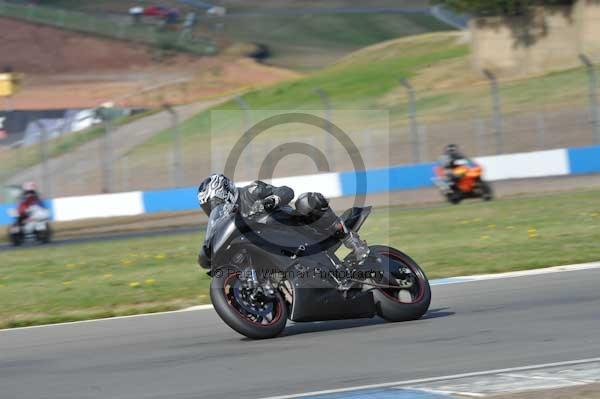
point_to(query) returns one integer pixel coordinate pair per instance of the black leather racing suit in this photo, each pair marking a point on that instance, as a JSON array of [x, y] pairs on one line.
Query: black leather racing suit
[[251, 197], [259, 197], [310, 207]]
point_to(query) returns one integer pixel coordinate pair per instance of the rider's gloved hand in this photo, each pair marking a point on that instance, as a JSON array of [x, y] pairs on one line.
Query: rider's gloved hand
[[271, 202]]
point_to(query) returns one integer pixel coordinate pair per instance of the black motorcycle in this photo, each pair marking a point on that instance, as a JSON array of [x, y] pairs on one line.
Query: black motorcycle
[[269, 268]]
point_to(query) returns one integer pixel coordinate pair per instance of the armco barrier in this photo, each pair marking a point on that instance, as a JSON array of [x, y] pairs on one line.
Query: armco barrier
[[405, 177], [584, 160], [4, 218]]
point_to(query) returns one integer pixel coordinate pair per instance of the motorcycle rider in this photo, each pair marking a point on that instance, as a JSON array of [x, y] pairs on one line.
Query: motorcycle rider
[[29, 198], [450, 159], [259, 197]]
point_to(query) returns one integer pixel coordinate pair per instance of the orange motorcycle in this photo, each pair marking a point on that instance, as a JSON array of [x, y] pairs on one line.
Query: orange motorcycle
[[464, 181]]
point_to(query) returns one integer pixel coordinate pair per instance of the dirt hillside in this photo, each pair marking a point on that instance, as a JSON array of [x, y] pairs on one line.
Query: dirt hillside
[[66, 69]]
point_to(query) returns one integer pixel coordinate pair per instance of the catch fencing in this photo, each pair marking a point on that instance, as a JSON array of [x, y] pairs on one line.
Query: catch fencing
[[560, 162], [489, 116], [119, 27]]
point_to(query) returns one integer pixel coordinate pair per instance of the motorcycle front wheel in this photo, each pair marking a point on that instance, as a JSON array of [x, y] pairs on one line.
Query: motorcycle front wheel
[[16, 238], [252, 317], [411, 299], [454, 197], [487, 193], [44, 236]]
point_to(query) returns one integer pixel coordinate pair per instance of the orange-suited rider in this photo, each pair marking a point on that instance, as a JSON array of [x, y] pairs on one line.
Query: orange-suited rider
[[452, 158]]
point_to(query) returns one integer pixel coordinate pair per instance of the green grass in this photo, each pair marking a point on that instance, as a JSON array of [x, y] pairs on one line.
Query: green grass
[[307, 42], [50, 284]]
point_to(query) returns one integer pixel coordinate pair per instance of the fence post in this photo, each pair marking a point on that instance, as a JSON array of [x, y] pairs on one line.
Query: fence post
[[593, 92], [176, 165], [245, 107], [106, 148], [497, 110], [121, 33], [541, 130], [61, 18], [92, 23], [107, 180], [424, 145], [125, 184], [412, 117], [30, 12], [46, 178], [480, 135], [326, 100]]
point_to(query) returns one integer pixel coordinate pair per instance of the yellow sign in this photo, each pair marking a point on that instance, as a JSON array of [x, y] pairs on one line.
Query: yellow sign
[[9, 83]]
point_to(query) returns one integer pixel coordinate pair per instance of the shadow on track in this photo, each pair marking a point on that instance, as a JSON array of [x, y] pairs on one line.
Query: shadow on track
[[322, 326]]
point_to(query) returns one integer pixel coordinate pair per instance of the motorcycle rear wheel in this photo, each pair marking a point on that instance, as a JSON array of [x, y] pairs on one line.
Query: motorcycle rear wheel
[[237, 315], [487, 193], [454, 197], [395, 305], [44, 236]]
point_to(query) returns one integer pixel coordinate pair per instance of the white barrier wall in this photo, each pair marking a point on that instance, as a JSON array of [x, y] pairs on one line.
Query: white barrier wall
[[499, 167], [525, 165], [97, 206]]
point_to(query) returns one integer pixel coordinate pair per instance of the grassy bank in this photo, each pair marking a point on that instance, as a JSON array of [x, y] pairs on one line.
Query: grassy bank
[[310, 41], [50, 284], [299, 35], [447, 91]]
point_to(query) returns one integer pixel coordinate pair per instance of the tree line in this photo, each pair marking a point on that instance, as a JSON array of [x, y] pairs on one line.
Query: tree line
[[498, 7]]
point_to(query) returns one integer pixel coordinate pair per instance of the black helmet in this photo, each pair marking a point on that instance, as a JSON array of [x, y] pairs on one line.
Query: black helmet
[[215, 190], [451, 149]]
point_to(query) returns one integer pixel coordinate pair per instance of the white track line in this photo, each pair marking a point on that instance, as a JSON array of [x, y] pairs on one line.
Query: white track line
[[557, 379], [522, 273], [191, 309], [448, 393], [436, 379], [443, 281]]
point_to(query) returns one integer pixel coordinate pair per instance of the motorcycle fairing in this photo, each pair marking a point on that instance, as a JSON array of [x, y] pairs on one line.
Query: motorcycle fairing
[[315, 295], [355, 217], [316, 299]]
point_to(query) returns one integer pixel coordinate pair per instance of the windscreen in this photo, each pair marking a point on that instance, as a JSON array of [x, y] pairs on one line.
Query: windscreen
[[216, 216]]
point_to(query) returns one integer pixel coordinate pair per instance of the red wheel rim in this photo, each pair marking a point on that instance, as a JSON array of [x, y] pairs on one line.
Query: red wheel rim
[[276, 305], [417, 274]]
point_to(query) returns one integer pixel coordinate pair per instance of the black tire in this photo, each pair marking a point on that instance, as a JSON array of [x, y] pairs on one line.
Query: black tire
[[16, 239], [389, 306], [44, 236], [487, 194], [235, 319], [454, 197]]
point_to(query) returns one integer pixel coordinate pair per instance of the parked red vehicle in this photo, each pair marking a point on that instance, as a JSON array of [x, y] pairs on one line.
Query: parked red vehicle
[[465, 181], [155, 11]]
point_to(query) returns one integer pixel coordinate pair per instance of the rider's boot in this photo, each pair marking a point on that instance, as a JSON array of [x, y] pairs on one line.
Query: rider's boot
[[315, 208], [352, 241], [349, 238]]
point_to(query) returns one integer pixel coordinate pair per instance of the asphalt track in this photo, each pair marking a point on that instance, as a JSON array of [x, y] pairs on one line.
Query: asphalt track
[[471, 327]]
